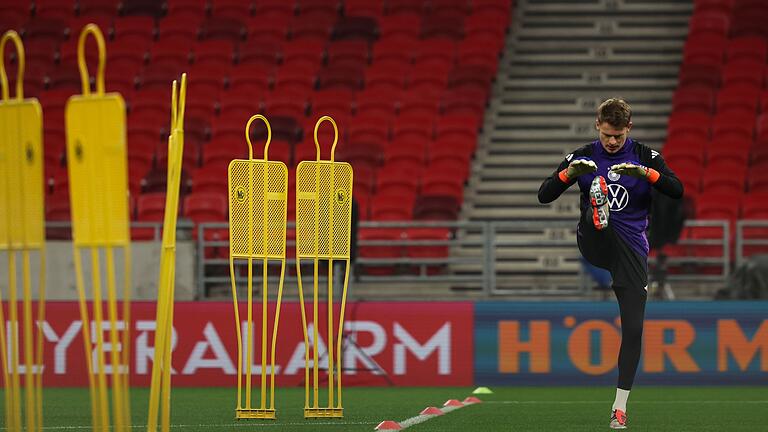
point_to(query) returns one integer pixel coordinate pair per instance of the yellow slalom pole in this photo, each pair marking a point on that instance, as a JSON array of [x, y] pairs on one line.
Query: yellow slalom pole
[[126, 340], [40, 345], [341, 331], [304, 330], [10, 419], [249, 294], [239, 337], [96, 416], [29, 381], [165, 420], [274, 336], [160, 389], [115, 357], [98, 319], [14, 354]]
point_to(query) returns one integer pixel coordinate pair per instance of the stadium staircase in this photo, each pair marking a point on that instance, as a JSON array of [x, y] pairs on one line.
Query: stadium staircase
[[562, 58]]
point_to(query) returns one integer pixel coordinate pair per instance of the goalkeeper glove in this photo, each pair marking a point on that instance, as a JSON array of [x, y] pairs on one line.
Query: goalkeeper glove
[[639, 171], [577, 168]]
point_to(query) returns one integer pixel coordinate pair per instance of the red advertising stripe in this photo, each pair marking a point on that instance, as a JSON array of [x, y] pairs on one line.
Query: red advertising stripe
[[427, 343]]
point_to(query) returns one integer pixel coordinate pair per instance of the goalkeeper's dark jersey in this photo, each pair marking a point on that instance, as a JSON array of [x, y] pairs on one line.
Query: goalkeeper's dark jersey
[[628, 197]]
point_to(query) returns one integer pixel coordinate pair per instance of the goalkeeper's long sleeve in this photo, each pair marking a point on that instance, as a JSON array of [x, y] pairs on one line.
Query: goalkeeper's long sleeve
[[554, 186]]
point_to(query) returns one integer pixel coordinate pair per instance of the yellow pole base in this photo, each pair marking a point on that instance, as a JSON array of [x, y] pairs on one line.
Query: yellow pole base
[[245, 413], [323, 412]]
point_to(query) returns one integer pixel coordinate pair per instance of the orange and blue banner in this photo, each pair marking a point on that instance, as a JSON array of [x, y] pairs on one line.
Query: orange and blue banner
[[562, 343]]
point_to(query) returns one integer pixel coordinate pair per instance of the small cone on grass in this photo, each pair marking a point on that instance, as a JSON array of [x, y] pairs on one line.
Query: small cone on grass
[[482, 390], [472, 400], [388, 425], [431, 411], [453, 402]]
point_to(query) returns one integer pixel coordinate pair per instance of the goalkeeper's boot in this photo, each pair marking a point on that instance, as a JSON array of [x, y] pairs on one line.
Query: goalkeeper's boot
[[598, 198], [618, 419]]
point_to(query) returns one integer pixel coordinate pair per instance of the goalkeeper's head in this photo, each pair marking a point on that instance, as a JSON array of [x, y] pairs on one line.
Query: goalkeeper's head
[[614, 120]]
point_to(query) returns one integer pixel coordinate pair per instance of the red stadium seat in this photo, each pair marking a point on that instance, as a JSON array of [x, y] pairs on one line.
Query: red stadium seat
[[688, 125], [723, 182], [314, 26], [414, 127], [733, 125], [353, 53], [340, 77], [257, 52], [465, 101], [729, 150], [448, 26], [699, 99], [211, 178], [401, 24], [391, 182], [55, 9], [230, 29], [397, 48], [333, 102], [217, 52], [179, 28], [404, 6], [738, 98], [393, 208], [436, 207], [205, 207], [442, 183], [486, 23], [134, 30], [757, 180], [106, 7], [743, 71], [368, 8], [699, 75], [407, 153], [709, 22], [351, 27], [236, 9], [747, 47], [705, 50]]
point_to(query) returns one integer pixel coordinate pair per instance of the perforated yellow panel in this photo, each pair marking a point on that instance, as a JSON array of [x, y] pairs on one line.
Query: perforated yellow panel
[[98, 176], [21, 174], [322, 187], [247, 194]]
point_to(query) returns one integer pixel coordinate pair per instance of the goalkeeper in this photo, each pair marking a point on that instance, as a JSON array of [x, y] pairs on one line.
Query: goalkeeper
[[615, 174]]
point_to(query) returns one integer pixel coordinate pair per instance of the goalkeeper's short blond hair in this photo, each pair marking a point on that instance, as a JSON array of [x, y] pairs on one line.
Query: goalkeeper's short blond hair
[[616, 112]]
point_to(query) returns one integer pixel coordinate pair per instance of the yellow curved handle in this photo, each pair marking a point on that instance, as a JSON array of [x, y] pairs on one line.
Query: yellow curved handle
[[335, 136], [248, 135], [12, 35], [178, 100], [81, 64]]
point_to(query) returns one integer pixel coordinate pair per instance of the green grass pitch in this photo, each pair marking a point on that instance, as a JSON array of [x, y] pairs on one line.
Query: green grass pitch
[[569, 409]]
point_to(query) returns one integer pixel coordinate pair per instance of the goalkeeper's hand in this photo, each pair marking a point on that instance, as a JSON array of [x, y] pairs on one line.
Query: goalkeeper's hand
[[633, 170], [579, 167]]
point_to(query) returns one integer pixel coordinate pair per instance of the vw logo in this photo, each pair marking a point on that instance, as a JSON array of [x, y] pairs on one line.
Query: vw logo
[[618, 197]]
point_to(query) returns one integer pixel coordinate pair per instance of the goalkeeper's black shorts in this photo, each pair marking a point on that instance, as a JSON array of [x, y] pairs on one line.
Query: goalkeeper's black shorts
[[607, 250]]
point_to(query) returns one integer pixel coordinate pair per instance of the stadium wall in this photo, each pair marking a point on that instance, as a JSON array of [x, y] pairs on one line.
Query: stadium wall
[[447, 343], [145, 259]]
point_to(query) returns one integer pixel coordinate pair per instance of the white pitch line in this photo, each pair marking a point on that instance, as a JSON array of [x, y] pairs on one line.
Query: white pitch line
[[633, 402], [422, 417]]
